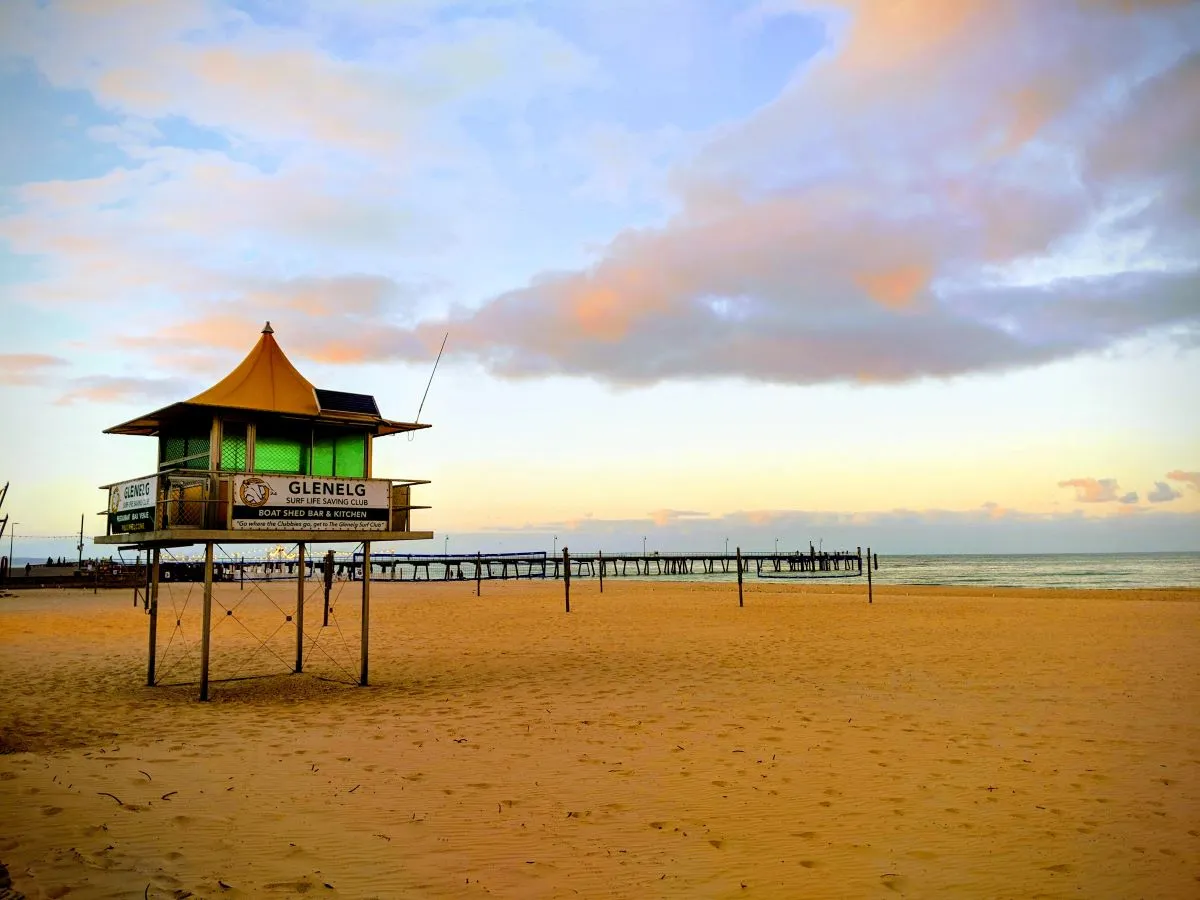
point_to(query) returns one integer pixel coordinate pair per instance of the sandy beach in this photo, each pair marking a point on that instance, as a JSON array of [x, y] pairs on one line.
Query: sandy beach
[[658, 741]]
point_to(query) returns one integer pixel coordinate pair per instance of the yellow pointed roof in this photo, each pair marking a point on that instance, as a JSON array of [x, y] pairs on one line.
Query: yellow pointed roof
[[265, 380]]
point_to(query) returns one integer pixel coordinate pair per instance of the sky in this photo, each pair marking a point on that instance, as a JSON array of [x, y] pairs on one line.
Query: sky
[[922, 275]]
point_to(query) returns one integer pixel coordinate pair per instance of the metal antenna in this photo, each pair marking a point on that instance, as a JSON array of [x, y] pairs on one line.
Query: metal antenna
[[430, 382]]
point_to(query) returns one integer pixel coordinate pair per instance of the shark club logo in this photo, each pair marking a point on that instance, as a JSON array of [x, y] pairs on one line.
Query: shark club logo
[[254, 492], [114, 499]]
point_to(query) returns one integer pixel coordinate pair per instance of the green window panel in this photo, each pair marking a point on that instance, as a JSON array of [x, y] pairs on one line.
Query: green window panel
[[322, 455], [350, 455], [233, 449], [280, 454], [183, 451], [172, 448]]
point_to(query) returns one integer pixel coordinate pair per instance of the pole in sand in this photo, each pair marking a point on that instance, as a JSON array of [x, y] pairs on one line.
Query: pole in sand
[[602, 571], [366, 609], [567, 576], [870, 589], [739, 565], [300, 608], [206, 623], [328, 585], [152, 600], [478, 571]]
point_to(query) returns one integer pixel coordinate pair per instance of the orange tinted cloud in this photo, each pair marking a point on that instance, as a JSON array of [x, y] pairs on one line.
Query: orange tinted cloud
[[27, 368], [115, 389], [896, 288], [602, 313], [1032, 106], [889, 34], [1098, 490], [1191, 479]]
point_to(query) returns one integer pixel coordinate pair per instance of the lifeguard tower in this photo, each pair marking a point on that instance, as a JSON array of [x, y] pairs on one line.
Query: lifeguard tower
[[261, 457]]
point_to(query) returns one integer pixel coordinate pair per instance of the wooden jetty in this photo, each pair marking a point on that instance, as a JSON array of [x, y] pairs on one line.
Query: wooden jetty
[[539, 564]]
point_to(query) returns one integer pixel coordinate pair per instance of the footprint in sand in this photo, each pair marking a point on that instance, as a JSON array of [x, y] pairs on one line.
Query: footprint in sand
[[300, 886], [51, 810], [894, 882]]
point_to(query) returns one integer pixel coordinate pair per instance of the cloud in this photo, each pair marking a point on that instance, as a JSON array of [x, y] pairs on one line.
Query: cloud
[[119, 389], [890, 216], [1191, 479], [330, 319], [214, 65], [1099, 490], [1163, 493], [662, 518], [918, 201], [27, 368]]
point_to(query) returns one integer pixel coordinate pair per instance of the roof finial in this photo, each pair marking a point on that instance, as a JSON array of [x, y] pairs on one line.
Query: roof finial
[[267, 329]]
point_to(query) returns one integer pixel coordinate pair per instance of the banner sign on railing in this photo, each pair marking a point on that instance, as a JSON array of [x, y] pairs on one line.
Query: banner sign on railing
[[307, 503], [131, 505]]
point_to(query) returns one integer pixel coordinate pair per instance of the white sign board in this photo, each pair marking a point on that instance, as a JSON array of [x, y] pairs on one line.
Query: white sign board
[[310, 503], [131, 505]]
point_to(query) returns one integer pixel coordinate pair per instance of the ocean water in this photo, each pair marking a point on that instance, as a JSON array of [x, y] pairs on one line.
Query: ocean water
[[1048, 570]]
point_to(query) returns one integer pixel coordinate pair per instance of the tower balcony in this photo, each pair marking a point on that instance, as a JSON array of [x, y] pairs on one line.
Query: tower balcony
[[187, 506]]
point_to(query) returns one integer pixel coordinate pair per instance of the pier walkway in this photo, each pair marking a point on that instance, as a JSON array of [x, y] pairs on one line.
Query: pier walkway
[[539, 564]]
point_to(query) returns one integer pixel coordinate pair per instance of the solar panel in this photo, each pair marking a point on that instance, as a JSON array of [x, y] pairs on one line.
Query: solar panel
[[343, 401]]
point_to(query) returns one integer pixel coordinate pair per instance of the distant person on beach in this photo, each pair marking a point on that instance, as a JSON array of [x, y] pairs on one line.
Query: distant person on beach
[[28, 569]]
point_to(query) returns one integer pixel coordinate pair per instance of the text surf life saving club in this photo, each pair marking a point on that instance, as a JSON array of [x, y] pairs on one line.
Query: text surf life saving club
[[310, 503]]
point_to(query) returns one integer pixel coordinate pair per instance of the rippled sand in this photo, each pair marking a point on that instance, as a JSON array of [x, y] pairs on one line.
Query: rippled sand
[[656, 742]]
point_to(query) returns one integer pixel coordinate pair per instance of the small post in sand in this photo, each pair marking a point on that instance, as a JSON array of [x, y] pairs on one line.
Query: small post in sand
[[478, 571], [328, 585], [602, 571], [739, 565], [870, 589], [152, 601], [567, 576], [206, 622], [366, 609], [300, 608]]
